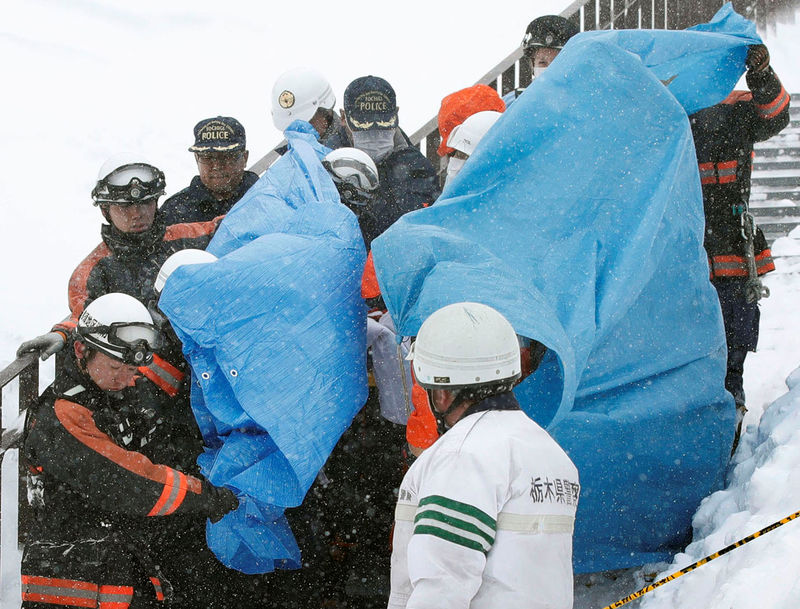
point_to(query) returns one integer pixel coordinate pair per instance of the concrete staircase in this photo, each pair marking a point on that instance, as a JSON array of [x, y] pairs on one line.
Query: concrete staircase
[[775, 197]]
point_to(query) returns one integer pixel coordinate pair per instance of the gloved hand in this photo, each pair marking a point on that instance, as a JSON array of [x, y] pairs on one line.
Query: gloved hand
[[45, 345], [757, 58], [221, 501]]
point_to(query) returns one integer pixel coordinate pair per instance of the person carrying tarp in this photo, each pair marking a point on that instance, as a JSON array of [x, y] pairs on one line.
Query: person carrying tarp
[[738, 253], [94, 478]]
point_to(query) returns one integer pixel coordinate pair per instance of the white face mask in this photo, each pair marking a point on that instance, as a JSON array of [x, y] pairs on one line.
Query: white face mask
[[377, 143], [538, 71], [454, 165]]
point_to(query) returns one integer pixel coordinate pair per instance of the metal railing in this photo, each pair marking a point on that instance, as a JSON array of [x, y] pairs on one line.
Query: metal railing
[[25, 370], [511, 73]]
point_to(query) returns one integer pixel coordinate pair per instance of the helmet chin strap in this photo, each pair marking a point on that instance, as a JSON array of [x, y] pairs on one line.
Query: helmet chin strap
[[460, 397]]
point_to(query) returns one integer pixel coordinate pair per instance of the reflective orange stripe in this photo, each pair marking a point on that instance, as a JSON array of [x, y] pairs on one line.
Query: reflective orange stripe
[[68, 592], [775, 107], [173, 494], [164, 375], [718, 173], [736, 266], [115, 597], [181, 495], [764, 262], [157, 585]]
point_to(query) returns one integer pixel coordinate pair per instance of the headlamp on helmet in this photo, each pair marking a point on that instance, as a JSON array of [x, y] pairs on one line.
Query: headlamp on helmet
[[112, 341]]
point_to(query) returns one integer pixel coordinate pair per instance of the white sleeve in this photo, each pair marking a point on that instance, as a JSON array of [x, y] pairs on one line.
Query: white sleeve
[[454, 529]]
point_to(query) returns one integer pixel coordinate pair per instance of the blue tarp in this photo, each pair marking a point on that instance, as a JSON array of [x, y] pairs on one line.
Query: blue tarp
[[275, 332], [580, 218]]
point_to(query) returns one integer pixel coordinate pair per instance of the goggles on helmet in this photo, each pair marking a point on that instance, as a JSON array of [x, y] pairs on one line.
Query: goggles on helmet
[[349, 187], [137, 352], [131, 184]]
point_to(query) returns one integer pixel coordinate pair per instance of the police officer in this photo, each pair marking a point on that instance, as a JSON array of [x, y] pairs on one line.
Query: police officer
[[220, 150], [407, 179]]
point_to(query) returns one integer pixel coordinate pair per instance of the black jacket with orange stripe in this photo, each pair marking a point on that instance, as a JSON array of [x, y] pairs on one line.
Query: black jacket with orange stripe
[[98, 455], [97, 485], [129, 263], [724, 135]]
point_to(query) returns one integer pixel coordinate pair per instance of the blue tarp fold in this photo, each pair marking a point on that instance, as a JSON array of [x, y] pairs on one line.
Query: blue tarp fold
[[580, 218], [275, 332]]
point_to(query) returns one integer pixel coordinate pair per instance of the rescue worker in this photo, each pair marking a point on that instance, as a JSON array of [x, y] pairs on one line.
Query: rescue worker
[[135, 243], [94, 473], [484, 518], [356, 179], [220, 150], [544, 38], [407, 179], [305, 94], [724, 135], [459, 106], [464, 138]]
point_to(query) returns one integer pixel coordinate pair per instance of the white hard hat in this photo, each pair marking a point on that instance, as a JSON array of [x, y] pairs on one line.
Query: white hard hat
[[465, 344], [465, 137], [128, 179], [120, 326], [187, 256], [297, 94]]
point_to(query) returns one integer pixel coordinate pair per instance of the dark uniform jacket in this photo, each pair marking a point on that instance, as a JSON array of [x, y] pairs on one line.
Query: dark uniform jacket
[[407, 182], [95, 480], [129, 263], [195, 203], [724, 136]]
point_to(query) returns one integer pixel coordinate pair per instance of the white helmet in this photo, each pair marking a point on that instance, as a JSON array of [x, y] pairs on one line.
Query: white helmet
[[297, 94], [127, 179], [465, 137], [466, 345], [119, 325], [187, 256], [354, 173]]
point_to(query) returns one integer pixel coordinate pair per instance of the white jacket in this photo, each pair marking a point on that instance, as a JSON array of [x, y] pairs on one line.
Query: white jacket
[[484, 519]]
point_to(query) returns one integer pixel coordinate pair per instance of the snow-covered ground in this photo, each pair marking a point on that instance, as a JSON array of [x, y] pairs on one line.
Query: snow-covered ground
[[86, 79], [763, 484]]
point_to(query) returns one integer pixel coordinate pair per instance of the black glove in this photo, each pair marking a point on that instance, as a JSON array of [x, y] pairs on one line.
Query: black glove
[[45, 345], [220, 501], [757, 58]]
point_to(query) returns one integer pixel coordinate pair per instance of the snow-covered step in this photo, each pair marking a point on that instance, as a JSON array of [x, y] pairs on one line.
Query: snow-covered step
[[774, 195], [765, 150], [778, 180], [783, 164]]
